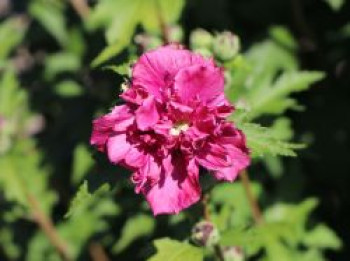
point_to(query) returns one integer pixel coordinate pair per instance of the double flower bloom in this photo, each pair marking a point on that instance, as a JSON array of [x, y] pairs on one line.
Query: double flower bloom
[[172, 123]]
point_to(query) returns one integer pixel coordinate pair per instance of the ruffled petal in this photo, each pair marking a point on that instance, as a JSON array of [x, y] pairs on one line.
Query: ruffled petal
[[223, 107], [199, 81], [147, 114], [117, 148], [214, 157], [155, 70], [103, 127], [134, 158], [240, 161], [178, 187]]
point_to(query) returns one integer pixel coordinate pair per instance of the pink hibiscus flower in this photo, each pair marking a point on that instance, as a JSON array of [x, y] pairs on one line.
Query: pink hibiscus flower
[[172, 123]]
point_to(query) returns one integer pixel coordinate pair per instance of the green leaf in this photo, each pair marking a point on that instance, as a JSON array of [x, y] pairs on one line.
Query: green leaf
[[12, 32], [288, 221], [134, 228], [274, 165], [84, 200], [8, 245], [294, 214], [122, 69], [251, 240], [9, 178], [33, 181], [274, 99], [266, 59], [261, 141], [172, 250], [59, 63], [281, 129], [11, 96], [322, 237], [108, 53], [87, 212], [50, 15], [81, 200], [170, 12], [120, 26], [311, 255], [258, 68], [82, 163], [76, 42], [123, 25], [68, 88], [233, 196], [336, 5], [283, 36], [276, 250]]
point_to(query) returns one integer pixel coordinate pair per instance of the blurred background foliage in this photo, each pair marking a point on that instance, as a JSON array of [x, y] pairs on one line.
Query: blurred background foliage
[[287, 70]]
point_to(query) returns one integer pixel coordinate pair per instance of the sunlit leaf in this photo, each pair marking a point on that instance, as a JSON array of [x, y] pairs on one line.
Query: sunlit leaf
[[134, 228], [172, 250], [82, 163], [68, 88], [59, 63], [322, 237], [12, 32], [261, 141], [51, 17]]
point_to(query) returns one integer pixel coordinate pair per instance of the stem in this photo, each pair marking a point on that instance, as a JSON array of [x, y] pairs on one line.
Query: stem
[[163, 27], [252, 200], [81, 7], [97, 252], [206, 214], [48, 228], [206, 211]]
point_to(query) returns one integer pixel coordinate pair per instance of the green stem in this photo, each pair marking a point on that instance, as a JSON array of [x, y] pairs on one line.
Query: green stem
[[258, 218]]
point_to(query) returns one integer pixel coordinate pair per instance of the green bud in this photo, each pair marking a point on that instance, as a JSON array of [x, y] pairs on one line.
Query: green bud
[[176, 34], [204, 52], [205, 234], [201, 39], [226, 46], [232, 253]]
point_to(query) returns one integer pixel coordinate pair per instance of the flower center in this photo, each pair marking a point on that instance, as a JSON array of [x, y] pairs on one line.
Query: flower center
[[178, 128]]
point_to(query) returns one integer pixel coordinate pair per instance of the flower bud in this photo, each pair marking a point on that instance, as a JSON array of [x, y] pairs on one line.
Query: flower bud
[[226, 45], [204, 52], [233, 253], [205, 234], [201, 39], [175, 34]]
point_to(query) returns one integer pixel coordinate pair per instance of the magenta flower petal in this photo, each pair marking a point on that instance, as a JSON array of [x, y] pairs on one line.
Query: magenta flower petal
[[135, 158], [117, 148], [176, 190], [214, 157], [173, 123], [240, 161], [118, 119], [156, 70], [199, 81], [147, 114]]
